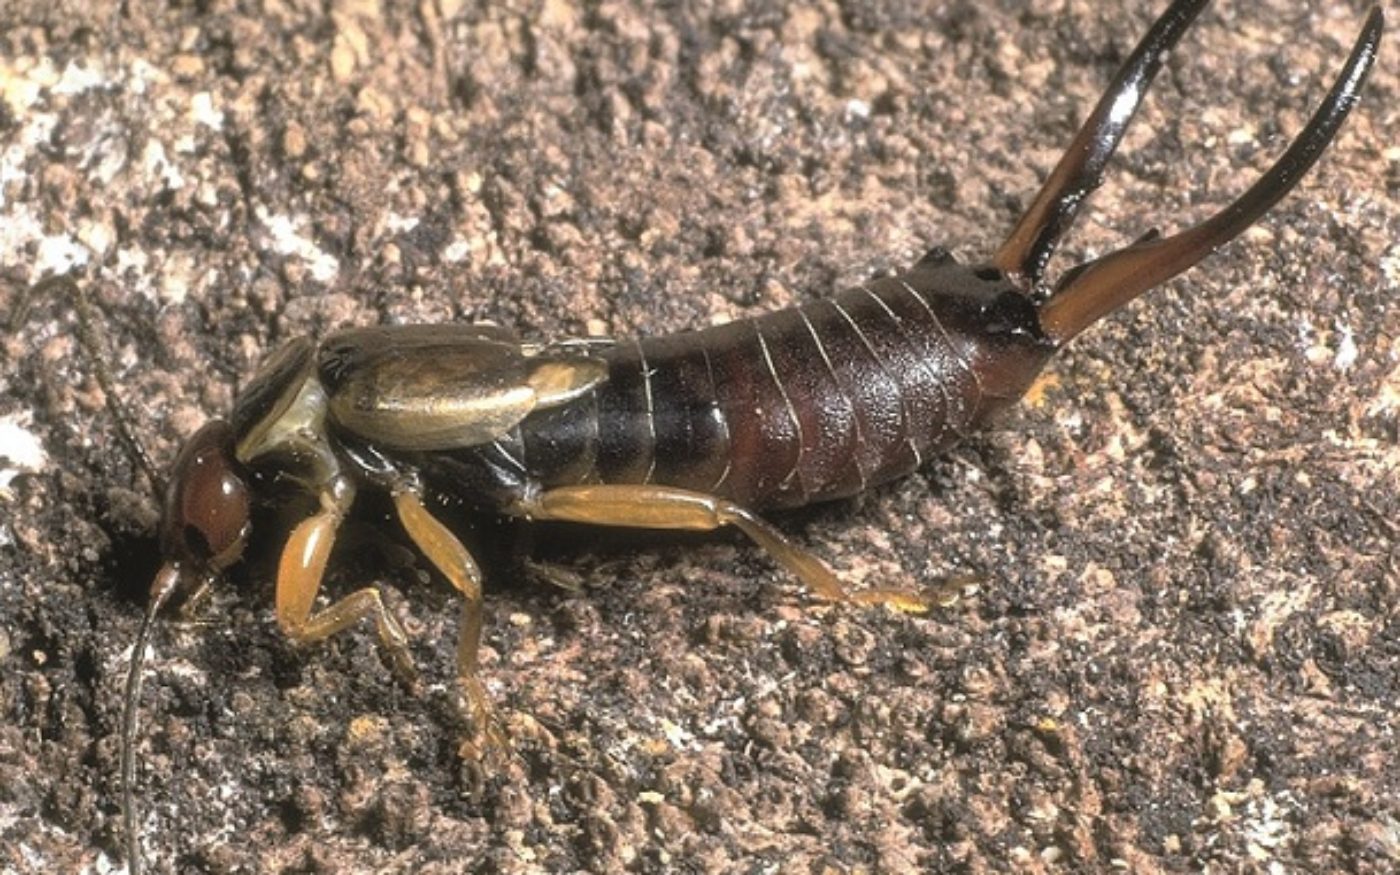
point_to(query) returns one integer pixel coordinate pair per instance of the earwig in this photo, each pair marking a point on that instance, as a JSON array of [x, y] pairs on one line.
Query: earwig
[[694, 431]]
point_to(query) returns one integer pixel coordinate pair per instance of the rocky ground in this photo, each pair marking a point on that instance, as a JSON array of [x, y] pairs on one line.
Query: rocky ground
[[1184, 652]]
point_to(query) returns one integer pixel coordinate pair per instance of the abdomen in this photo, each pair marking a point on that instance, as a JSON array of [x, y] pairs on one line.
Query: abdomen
[[801, 405]]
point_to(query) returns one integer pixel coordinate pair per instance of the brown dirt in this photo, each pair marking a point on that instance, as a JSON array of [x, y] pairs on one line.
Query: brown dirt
[[1185, 653]]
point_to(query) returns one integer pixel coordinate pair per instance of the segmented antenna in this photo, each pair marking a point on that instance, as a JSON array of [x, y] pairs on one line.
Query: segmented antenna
[[97, 361], [167, 581], [162, 588]]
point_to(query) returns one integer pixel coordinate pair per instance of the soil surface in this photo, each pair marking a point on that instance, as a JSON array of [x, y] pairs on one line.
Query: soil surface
[[1183, 649]]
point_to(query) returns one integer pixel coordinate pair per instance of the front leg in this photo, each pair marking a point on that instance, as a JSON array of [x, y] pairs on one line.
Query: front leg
[[301, 570], [661, 507]]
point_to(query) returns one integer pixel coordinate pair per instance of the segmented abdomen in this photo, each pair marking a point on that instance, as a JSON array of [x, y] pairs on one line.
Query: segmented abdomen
[[795, 406]]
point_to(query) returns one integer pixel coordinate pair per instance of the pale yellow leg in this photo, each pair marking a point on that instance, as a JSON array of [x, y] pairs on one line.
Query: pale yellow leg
[[661, 507], [446, 552], [299, 574]]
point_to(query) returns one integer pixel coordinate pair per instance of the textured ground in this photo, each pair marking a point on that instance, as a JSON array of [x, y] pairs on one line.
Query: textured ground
[[1185, 654]]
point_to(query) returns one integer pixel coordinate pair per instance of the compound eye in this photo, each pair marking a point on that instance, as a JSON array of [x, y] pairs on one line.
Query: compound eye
[[207, 502]]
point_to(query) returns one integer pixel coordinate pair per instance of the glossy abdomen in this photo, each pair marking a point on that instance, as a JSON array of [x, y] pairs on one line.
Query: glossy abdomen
[[801, 405]]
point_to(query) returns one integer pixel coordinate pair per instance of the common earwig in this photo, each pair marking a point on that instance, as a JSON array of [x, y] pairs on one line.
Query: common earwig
[[694, 431]]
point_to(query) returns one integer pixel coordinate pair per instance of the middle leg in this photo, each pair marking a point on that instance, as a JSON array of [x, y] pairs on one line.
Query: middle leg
[[450, 557]]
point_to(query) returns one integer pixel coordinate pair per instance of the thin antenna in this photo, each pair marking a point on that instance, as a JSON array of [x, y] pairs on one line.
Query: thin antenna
[[92, 347], [167, 580], [164, 585]]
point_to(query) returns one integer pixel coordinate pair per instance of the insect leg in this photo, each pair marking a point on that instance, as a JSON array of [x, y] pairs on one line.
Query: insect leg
[[446, 552], [299, 574], [661, 507]]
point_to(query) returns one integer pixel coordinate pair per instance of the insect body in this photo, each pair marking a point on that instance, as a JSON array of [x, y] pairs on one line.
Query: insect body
[[693, 431]]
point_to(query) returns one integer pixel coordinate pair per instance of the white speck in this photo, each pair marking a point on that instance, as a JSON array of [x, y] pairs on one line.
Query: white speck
[[22, 227], [20, 450], [76, 79], [1305, 332], [131, 260], [456, 251], [141, 75], [203, 112], [287, 240], [21, 89], [676, 736], [155, 163], [396, 224], [857, 109], [59, 253], [1346, 349], [1390, 265], [97, 237], [11, 168], [38, 127], [1242, 136], [1266, 826]]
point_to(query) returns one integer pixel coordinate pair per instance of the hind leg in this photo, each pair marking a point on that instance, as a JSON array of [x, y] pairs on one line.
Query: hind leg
[[660, 507]]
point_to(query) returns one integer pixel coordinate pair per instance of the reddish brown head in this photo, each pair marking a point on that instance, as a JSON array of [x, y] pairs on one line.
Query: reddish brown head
[[204, 524], [204, 528]]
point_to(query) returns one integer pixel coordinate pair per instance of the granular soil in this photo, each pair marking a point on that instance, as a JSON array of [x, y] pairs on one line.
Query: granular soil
[[1183, 649]]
